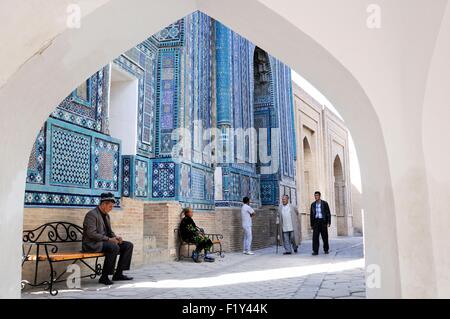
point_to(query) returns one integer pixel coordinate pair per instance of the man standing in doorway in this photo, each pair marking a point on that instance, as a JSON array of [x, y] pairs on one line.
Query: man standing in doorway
[[289, 225], [247, 214], [320, 221]]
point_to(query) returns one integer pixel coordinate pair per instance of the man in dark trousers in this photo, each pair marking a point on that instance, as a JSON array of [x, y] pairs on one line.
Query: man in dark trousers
[[320, 221], [99, 237]]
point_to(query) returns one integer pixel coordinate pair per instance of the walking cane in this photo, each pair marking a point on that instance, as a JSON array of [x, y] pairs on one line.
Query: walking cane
[[277, 237]]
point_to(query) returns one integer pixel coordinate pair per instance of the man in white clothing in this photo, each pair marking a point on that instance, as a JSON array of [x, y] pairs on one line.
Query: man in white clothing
[[247, 214], [289, 220]]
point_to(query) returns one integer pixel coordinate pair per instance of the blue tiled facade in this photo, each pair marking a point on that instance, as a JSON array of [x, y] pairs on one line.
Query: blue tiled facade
[[195, 74]]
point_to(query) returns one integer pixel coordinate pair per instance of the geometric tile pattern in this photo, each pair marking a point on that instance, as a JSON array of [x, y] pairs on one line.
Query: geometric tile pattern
[[126, 176], [198, 183], [245, 185], [52, 199], [269, 192], [83, 93], [254, 189], [106, 165], [170, 36], [106, 162], [87, 112], [36, 163], [174, 70], [167, 98], [141, 185], [209, 194], [70, 158], [80, 164], [235, 187], [185, 181], [163, 179]]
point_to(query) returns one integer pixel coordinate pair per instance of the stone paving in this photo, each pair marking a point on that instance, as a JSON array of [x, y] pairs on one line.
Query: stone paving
[[265, 275]]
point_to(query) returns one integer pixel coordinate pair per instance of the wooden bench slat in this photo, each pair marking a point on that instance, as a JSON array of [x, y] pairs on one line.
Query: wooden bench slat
[[65, 256]]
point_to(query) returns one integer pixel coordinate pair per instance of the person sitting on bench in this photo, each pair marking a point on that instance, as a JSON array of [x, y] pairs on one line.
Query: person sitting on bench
[[190, 233], [99, 237]]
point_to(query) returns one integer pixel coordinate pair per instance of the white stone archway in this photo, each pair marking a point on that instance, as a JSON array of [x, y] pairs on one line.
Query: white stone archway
[[61, 58]]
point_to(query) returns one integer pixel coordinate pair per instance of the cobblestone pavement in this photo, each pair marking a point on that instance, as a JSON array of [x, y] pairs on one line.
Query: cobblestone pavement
[[264, 275]]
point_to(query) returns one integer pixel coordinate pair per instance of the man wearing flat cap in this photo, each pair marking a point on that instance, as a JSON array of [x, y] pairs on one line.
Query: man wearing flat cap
[[99, 237]]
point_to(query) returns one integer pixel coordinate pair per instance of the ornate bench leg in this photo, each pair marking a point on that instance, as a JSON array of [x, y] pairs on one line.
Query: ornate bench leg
[[52, 291], [179, 251]]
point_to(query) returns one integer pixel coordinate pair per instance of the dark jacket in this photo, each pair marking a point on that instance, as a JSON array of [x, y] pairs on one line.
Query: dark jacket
[[188, 230], [94, 231], [325, 209]]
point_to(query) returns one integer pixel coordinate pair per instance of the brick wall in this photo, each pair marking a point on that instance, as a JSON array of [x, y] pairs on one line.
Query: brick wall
[[150, 226], [126, 222]]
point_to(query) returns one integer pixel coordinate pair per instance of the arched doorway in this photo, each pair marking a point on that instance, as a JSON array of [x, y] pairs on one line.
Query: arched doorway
[[339, 197], [66, 58], [309, 174]]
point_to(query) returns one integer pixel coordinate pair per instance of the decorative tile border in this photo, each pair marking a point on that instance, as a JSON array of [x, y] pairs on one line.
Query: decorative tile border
[[36, 163], [127, 174], [88, 116], [172, 35], [62, 200]]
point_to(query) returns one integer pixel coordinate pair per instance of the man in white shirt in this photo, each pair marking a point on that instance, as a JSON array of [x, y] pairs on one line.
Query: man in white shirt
[[247, 214], [289, 225]]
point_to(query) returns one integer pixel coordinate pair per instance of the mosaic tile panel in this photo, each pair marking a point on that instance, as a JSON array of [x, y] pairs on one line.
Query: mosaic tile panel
[[141, 176], [269, 192], [167, 96], [106, 165], [163, 179], [185, 181], [198, 183], [70, 159]]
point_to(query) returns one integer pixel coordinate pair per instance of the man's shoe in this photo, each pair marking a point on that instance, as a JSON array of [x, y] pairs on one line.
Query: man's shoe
[[195, 256], [121, 277], [287, 253], [326, 252], [105, 281], [295, 250], [315, 254], [249, 253], [209, 259]]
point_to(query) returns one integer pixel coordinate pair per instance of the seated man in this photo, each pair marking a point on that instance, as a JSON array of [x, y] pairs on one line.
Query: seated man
[[99, 237], [190, 233]]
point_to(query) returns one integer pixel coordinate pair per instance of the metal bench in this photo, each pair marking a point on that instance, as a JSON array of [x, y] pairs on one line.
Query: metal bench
[[215, 238], [44, 243]]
